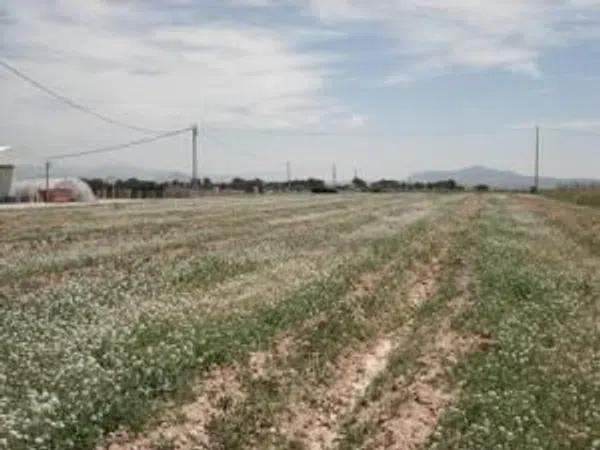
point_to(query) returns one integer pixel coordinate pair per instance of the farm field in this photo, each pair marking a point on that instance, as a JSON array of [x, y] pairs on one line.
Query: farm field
[[404, 321], [585, 196]]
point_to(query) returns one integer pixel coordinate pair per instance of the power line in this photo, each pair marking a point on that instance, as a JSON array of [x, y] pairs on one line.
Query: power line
[[226, 146], [121, 146], [361, 133], [73, 104], [283, 131], [572, 131]]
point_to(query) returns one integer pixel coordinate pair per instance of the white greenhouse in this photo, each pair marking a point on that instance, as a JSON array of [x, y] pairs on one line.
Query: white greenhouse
[[30, 189]]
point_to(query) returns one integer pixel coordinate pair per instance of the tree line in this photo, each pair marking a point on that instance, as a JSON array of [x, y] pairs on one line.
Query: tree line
[[134, 187]]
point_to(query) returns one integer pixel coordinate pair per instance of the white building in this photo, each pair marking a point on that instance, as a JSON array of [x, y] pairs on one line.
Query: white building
[[7, 171]]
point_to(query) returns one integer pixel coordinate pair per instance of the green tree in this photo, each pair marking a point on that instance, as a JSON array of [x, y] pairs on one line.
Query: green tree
[[359, 183]]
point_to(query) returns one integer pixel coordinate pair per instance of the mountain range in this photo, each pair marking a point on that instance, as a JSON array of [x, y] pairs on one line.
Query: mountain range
[[504, 179], [468, 176]]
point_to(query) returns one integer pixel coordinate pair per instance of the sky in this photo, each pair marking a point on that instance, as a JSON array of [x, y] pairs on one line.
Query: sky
[[386, 88]]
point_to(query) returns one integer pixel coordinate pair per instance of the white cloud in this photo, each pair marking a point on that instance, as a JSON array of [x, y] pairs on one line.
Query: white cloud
[[118, 59], [356, 121], [431, 36], [165, 64], [252, 3]]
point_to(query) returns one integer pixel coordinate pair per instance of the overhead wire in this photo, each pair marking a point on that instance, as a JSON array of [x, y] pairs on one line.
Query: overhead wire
[[572, 131], [72, 103], [245, 152], [159, 134], [226, 146], [359, 133], [120, 146], [283, 131]]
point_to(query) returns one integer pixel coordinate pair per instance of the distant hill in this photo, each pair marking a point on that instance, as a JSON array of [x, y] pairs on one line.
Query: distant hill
[[471, 176]]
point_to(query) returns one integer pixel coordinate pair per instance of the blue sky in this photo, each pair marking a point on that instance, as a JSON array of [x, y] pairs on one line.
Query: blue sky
[[399, 85]]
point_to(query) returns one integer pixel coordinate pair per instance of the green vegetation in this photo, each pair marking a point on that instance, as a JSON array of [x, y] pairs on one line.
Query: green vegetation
[[134, 188], [351, 321], [538, 385], [165, 292], [344, 319], [589, 196]]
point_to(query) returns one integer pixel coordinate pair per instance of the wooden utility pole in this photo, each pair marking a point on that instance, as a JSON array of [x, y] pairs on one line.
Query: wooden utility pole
[[194, 155], [47, 176], [536, 185]]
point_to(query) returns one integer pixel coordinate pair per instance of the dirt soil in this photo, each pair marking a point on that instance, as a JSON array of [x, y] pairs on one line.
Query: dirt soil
[[184, 428], [406, 418], [317, 425]]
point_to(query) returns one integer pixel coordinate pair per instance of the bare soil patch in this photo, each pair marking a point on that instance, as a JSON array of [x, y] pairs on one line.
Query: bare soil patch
[[314, 425], [261, 363], [313, 422], [184, 428], [366, 284], [406, 418], [423, 281]]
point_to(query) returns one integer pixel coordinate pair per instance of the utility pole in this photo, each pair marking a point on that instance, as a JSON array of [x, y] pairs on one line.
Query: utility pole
[[536, 185], [288, 169], [333, 175], [47, 176], [194, 155]]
